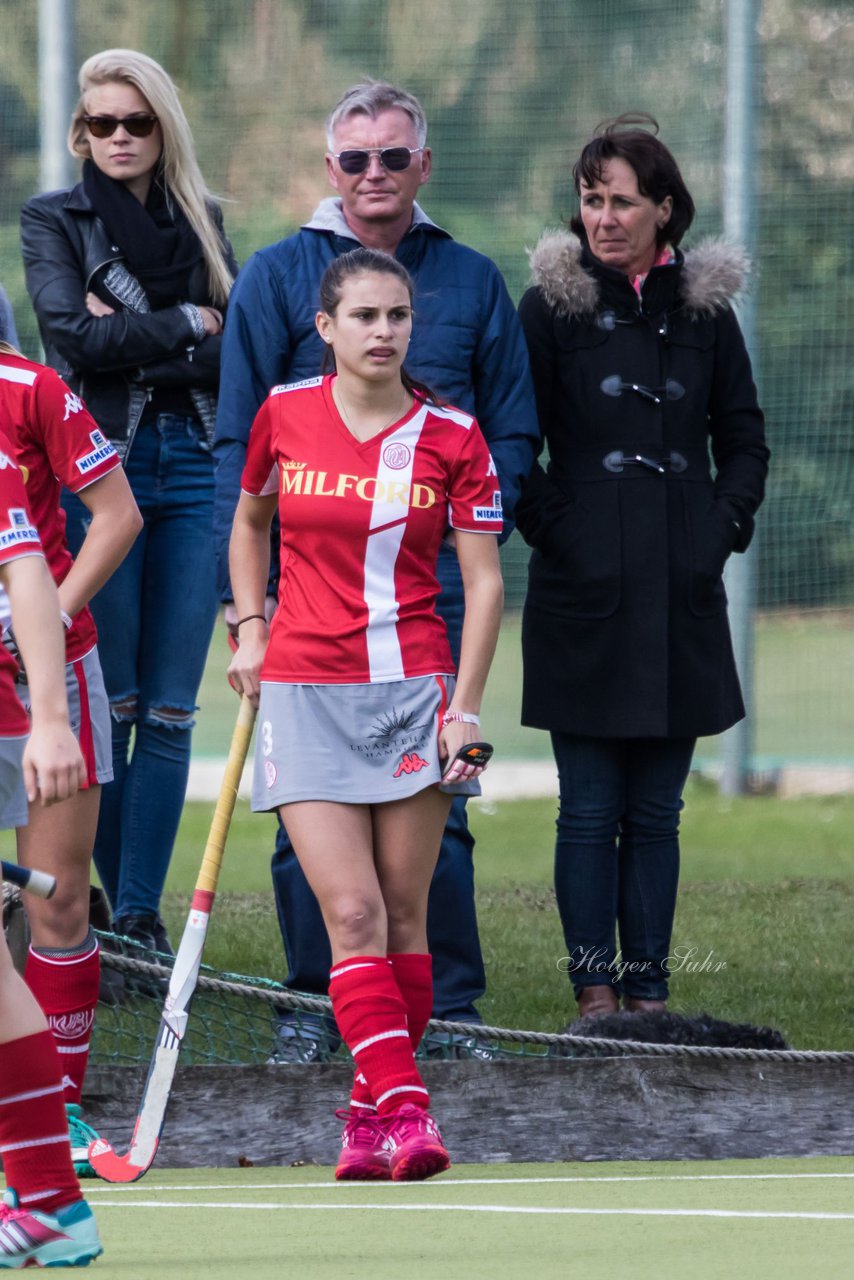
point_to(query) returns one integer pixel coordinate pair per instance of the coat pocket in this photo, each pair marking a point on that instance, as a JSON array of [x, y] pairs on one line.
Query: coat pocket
[[710, 541], [577, 574]]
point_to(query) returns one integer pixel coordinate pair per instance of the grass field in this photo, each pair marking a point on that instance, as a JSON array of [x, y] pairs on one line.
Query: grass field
[[773, 1220], [804, 693], [763, 926]]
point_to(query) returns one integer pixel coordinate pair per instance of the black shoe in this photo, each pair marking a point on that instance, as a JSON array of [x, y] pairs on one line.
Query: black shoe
[[149, 934], [304, 1040], [443, 1044], [147, 931], [111, 987]]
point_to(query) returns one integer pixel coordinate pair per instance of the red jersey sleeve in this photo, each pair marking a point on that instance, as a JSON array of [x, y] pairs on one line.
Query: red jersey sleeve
[[78, 451], [18, 535], [473, 490], [260, 474]]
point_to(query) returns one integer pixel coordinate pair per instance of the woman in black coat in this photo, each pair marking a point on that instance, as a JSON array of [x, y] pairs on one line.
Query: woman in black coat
[[129, 273], [639, 369]]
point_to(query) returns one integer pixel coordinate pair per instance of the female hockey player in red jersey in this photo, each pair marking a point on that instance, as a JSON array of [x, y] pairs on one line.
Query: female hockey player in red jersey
[[43, 1219], [361, 717], [55, 442]]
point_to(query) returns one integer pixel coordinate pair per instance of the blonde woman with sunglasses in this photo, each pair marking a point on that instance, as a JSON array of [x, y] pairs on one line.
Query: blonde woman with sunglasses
[[129, 273]]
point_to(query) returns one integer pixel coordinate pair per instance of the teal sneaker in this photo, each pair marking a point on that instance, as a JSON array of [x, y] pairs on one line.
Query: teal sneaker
[[81, 1135], [29, 1238]]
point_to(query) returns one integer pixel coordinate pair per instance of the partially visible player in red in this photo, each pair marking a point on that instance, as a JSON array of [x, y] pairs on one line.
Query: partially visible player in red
[[361, 716], [55, 442], [44, 1221]]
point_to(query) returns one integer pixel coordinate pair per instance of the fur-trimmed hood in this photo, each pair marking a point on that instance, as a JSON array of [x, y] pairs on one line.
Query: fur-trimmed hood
[[712, 275]]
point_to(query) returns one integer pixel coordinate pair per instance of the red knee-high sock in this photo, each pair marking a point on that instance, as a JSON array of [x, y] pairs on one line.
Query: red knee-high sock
[[34, 1140], [413, 973], [65, 983], [371, 1016]]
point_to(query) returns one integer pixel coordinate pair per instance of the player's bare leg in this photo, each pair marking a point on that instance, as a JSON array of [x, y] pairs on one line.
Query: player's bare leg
[[345, 852]]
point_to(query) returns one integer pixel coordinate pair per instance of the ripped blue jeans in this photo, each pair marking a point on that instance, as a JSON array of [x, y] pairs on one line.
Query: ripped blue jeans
[[155, 617]]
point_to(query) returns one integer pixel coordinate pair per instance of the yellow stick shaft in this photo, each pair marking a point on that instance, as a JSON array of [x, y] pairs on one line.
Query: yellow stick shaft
[[237, 752]]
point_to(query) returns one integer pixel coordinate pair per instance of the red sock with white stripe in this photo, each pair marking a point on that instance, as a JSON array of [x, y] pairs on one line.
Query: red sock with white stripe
[[371, 1016], [65, 983], [413, 973], [34, 1140]]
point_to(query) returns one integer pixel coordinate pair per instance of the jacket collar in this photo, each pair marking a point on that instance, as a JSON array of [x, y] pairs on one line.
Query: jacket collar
[[571, 279], [77, 200], [328, 216]]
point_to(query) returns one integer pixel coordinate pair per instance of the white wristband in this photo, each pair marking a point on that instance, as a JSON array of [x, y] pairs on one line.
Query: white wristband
[[67, 620], [460, 717]]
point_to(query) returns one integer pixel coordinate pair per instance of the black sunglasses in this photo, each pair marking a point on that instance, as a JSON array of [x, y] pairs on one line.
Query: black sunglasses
[[105, 126], [395, 159]]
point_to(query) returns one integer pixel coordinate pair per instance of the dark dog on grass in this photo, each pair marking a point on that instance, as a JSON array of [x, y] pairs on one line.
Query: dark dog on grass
[[677, 1028]]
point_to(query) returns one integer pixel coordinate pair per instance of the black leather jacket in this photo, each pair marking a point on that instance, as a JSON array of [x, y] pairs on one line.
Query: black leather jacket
[[115, 361]]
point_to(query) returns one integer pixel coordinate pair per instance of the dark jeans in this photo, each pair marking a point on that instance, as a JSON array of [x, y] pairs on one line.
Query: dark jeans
[[155, 617], [617, 857], [458, 974]]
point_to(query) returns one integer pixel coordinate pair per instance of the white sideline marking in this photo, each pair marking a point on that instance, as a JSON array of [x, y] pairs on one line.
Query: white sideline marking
[[472, 1182], [475, 1208]]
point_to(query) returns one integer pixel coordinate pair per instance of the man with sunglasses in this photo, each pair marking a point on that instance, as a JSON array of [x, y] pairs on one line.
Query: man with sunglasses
[[468, 345]]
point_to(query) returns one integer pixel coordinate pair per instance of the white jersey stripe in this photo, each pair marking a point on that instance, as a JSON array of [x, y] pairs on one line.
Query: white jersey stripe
[[9, 373], [385, 659], [387, 528]]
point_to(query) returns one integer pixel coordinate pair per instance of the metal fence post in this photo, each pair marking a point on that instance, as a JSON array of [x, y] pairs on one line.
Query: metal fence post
[[740, 212], [56, 91]]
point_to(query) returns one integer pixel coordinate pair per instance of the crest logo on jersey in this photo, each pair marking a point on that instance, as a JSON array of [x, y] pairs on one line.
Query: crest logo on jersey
[[270, 773], [396, 456], [290, 465], [73, 404], [410, 763], [101, 450], [495, 512], [20, 529]]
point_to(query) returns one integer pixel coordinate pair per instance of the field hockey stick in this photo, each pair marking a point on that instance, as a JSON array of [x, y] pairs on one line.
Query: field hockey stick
[[37, 882], [106, 1162]]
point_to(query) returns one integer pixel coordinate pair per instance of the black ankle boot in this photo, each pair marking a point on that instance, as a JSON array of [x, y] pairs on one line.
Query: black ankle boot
[[148, 932], [139, 929], [111, 988]]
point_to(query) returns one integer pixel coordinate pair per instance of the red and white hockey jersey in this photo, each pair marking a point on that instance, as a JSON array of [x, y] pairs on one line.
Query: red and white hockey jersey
[[55, 442], [361, 526], [18, 537]]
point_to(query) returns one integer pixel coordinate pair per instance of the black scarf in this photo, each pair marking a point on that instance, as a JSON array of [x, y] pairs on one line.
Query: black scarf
[[157, 241]]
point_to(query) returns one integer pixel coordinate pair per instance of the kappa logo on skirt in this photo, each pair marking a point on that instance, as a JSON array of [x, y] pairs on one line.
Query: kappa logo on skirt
[[410, 762]]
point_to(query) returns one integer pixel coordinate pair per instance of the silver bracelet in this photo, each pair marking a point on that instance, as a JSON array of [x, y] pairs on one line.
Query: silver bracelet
[[459, 717]]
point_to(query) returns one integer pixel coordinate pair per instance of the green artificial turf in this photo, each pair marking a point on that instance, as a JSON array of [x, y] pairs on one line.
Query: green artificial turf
[[486, 1222]]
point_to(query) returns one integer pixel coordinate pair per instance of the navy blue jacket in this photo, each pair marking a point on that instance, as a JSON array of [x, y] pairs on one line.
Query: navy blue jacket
[[467, 344]]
